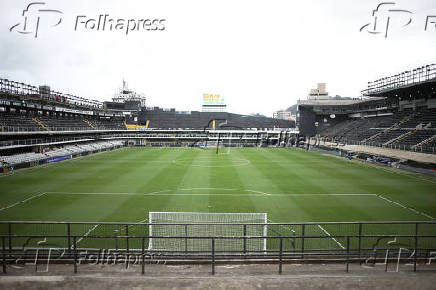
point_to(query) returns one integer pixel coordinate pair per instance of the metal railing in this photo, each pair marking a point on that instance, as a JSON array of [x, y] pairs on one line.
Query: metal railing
[[128, 243], [403, 79], [403, 147]]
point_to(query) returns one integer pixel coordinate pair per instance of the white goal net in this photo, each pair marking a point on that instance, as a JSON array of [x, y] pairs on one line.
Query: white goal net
[[195, 224]]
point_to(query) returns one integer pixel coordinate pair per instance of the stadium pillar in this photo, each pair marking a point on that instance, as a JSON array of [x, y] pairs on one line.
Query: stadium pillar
[[257, 138], [280, 139]]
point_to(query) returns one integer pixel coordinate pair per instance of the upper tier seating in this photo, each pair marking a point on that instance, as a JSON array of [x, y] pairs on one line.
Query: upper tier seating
[[10, 122]]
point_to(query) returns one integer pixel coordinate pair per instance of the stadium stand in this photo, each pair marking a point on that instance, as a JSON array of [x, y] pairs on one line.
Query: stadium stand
[[13, 122], [404, 128], [76, 149], [398, 112], [159, 118]]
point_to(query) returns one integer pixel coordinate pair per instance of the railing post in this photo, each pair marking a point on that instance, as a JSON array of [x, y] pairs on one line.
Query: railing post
[[213, 256], [116, 239], [416, 247], [4, 254], [69, 237], [360, 239], [303, 230], [75, 254], [127, 246], [10, 237], [186, 239], [245, 239], [143, 256], [348, 253], [387, 260], [281, 256]]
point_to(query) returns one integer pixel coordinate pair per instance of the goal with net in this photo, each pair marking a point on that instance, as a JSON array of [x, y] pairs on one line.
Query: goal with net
[[195, 224]]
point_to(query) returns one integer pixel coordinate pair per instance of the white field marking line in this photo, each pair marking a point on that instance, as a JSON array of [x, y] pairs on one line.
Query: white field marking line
[[23, 201], [405, 207], [285, 228], [328, 234], [95, 193], [208, 188], [138, 222], [154, 194], [313, 194], [239, 162], [257, 193], [87, 233]]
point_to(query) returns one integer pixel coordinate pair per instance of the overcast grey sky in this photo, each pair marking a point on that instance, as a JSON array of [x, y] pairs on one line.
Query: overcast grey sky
[[261, 56]]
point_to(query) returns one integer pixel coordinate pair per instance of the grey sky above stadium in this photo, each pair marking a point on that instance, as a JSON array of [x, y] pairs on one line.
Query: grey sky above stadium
[[261, 56]]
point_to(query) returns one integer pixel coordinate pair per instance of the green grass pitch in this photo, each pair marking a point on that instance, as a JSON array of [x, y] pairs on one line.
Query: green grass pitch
[[290, 185]]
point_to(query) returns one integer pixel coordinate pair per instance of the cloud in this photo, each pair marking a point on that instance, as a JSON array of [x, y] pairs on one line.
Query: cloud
[[261, 55]]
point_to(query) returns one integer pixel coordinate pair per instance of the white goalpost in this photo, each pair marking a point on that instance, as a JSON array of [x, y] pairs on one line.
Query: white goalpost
[[197, 224]]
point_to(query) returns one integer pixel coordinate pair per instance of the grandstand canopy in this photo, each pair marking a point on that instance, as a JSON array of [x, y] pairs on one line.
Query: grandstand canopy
[[419, 83]]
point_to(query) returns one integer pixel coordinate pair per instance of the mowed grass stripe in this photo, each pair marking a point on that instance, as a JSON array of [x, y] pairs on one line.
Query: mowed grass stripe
[[273, 171]]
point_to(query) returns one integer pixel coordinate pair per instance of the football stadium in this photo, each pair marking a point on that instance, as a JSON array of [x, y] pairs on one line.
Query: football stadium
[[354, 181], [114, 191]]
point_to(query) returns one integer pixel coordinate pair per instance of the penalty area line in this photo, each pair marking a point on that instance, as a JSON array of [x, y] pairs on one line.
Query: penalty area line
[[87, 234], [23, 201], [328, 234], [405, 207]]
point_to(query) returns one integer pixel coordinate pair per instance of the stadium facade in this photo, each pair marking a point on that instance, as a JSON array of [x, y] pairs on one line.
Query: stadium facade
[[397, 111]]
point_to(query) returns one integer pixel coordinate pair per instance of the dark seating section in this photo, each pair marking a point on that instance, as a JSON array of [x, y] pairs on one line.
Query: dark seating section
[[107, 124], [161, 119], [408, 128], [169, 119], [62, 123], [10, 122]]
